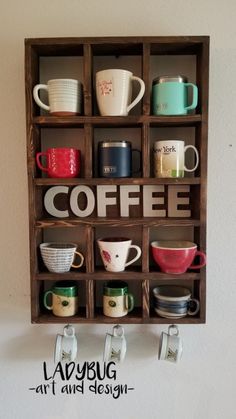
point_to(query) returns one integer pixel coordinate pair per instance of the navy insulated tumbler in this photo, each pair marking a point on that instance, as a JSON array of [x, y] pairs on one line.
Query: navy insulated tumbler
[[114, 159]]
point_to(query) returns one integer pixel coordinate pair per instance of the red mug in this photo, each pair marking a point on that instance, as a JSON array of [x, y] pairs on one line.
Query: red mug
[[60, 162], [175, 257]]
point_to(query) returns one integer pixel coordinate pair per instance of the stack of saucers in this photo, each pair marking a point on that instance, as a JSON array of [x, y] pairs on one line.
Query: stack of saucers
[[174, 302]]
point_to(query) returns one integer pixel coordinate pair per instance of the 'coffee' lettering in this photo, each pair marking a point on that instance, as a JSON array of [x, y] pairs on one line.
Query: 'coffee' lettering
[[153, 205]]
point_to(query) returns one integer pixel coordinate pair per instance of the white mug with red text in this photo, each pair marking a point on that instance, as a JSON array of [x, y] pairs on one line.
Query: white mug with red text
[[114, 92]]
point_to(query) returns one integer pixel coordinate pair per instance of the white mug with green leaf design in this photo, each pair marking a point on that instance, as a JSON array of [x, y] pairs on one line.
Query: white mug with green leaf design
[[171, 346], [66, 345], [64, 299], [115, 345], [117, 301]]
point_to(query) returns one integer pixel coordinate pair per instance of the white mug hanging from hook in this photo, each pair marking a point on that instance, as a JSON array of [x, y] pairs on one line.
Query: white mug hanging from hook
[[115, 345], [66, 345], [171, 346]]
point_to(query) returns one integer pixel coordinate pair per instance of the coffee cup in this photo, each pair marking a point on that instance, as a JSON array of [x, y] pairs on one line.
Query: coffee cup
[[171, 346], [169, 158], [175, 257], [64, 96], [117, 301], [174, 302], [59, 257], [115, 345], [63, 162], [114, 92], [170, 95], [66, 346], [114, 252], [64, 299], [115, 159]]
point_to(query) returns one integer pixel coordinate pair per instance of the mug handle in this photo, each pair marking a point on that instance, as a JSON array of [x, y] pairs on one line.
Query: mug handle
[[38, 155], [82, 260], [36, 96], [69, 331], [137, 256], [47, 293], [197, 157], [129, 302], [140, 94], [135, 150], [201, 264], [118, 331], [190, 312], [174, 329], [195, 96]]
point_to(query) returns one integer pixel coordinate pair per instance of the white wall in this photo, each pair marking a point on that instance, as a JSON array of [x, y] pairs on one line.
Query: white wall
[[203, 384]]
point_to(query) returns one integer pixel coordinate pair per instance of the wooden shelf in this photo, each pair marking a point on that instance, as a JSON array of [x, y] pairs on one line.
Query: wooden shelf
[[130, 275], [135, 318], [89, 52], [117, 121], [117, 181], [116, 222]]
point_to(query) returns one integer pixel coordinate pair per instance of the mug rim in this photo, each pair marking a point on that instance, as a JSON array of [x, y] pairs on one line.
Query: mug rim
[[178, 78], [52, 246], [113, 239], [167, 289], [57, 349], [64, 284], [63, 79], [117, 143], [176, 245], [115, 288], [61, 149], [114, 69], [169, 141], [162, 345]]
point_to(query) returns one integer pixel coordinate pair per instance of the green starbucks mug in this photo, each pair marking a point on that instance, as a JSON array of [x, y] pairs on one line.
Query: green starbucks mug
[[64, 299], [170, 95], [117, 301]]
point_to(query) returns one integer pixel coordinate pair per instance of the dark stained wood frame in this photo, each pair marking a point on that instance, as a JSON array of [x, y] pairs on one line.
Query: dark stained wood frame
[[144, 275]]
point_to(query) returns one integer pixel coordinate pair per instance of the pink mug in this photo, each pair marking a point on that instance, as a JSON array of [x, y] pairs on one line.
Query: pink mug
[[175, 257], [60, 162]]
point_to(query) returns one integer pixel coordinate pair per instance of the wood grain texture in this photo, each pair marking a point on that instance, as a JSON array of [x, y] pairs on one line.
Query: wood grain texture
[[117, 121], [89, 48], [116, 222]]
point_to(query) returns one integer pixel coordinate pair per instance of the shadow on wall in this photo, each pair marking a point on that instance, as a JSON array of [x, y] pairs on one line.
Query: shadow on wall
[[37, 345]]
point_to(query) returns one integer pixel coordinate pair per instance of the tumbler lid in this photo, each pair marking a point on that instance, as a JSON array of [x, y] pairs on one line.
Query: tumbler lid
[[165, 79], [107, 144]]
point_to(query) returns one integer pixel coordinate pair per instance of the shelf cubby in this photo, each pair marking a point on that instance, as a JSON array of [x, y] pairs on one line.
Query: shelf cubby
[[147, 57]]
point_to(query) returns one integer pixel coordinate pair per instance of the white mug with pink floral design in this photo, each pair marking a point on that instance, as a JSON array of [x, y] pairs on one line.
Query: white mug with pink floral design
[[114, 252]]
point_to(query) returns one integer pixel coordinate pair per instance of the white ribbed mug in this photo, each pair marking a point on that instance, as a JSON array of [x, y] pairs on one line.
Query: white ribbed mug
[[64, 96]]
